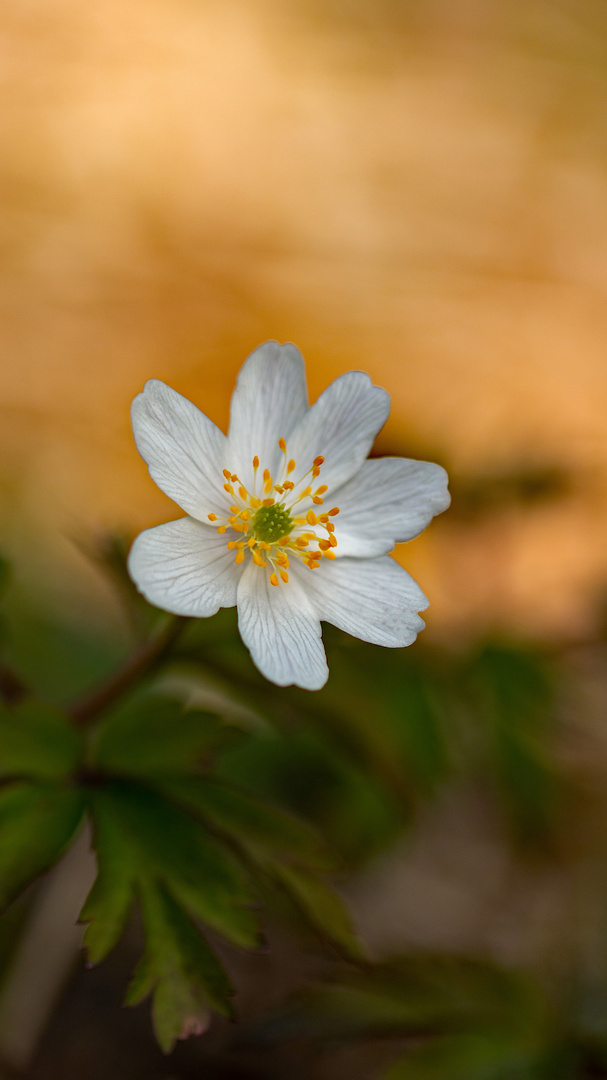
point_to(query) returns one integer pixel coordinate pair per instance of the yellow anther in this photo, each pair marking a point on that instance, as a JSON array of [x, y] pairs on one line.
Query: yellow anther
[[324, 545], [273, 579], [262, 544], [227, 474], [334, 511], [283, 446], [258, 559], [255, 502], [321, 490], [290, 466], [313, 565], [267, 487], [266, 474], [239, 527], [251, 541], [332, 540], [243, 493], [231, 544], [288, 485], [305, 493], [282, 558], [245, 515], [279, 489], [301, 542], [269, 502], [234, 478], [239, 557], [285, 540], [316, 470], [212, 517], [330, 527], [329, 554], [255, 462], [222, 529], [284, 576], [311, 518], [316, 499], [228, 488], [318, 461], [235, 509], [324, 518]]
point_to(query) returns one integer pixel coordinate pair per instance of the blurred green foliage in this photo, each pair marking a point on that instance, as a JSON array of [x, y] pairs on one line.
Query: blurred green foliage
[[209, 789]]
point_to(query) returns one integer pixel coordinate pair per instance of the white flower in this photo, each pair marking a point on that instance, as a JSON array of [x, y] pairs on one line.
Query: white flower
[[286, 517]]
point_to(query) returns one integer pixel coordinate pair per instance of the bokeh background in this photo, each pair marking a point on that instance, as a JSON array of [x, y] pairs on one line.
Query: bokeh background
[[416, 188]]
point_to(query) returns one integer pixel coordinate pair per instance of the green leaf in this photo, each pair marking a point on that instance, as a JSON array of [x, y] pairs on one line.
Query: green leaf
[[38, 741], [109, 903], [179, 969], [322, 908], [266, 832], [143, 837], [155, 736], [37, 821], [484, 1055]]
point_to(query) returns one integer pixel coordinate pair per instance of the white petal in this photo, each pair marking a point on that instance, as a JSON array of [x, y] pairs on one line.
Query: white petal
[[269, 400], [184, 567], [281, 630], [388, 501], [372, 599], [184, 450], [340, 426]]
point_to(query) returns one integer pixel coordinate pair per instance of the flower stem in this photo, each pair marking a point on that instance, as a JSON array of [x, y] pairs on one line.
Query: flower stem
[[142, 662]]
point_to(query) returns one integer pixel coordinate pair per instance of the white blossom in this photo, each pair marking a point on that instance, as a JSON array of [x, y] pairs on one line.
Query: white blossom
[[286, 517]]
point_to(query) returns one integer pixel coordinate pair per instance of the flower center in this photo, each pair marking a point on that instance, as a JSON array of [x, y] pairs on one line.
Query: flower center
[[271, 523], [272, 529]]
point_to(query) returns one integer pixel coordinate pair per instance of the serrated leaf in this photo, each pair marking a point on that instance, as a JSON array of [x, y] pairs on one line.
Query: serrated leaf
[[37, 821], [179, 969], [37, 740], [155, 736], [322, 908], [265, 831], [109, 903], [152, 839]]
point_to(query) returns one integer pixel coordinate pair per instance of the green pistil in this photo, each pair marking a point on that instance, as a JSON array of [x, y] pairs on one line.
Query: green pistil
[[271, 523]]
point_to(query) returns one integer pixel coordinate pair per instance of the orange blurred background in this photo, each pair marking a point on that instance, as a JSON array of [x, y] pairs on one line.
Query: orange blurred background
[[415, 189]]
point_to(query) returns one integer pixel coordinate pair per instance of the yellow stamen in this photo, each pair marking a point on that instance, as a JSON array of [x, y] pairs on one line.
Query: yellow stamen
[[243, 493], [282, 558], [256, 463], [317, 500], [212, 517], [301, 542], [251, 541], [283, 446], [222, 529], [290, 466], [273, 579], [269, 502], [318, 461], [235, 509], [311, 518], [334, 511], [313, 565], [316, 470], [284, 576], [321, 490], [329, 555], [288, 485], [324, 545], [267, 487], [255, 502], [285, 540], [239, 557], [258, 559], [332, 540], [234, 478], [227, 474], [228, 488], [232, 544]]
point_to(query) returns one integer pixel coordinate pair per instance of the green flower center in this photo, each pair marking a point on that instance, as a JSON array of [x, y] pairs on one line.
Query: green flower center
[[271, 523]]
